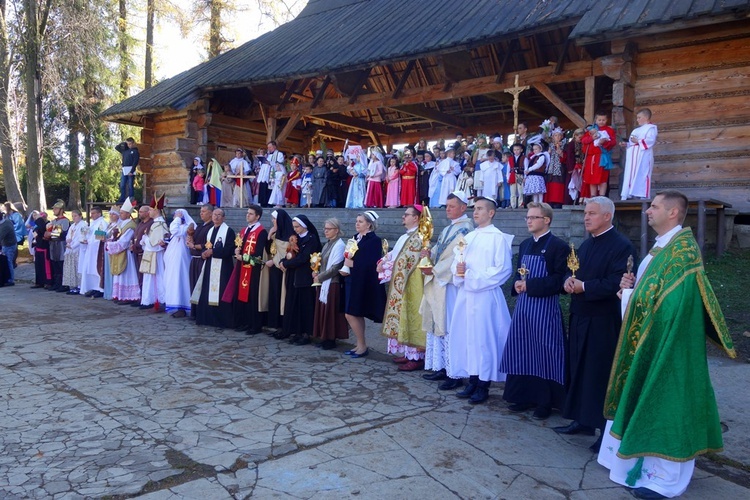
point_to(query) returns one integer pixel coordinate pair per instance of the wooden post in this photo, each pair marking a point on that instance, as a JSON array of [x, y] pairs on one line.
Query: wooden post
[[590, 104], [270, 129], [293, 121]]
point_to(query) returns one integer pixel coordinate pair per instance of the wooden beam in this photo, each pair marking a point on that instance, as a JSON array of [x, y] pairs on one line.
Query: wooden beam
[[376, 139], [290, 124], [321, 92], [359, 124], [427, 113], [508, 100], [589, 107], [506, 59], [404, 76], [270, 129], [547, 92], [574, 72], [360, 83], [288, 94], [561, 59]]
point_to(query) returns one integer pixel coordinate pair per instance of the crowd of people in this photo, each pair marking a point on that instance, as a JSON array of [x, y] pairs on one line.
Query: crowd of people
[[631, 367], [552, 165]]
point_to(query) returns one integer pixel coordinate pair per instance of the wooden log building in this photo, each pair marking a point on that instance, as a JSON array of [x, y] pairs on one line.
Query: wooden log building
[[393, 71]]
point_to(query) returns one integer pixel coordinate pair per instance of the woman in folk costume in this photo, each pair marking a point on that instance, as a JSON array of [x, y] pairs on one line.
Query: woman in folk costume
[[278, 241], [153, 242], [278, 177], [555, 195], [114, 221], [573, 159], [393, 180], [330, 322], [534, 184], [293, 184], [125, 288], [227, 187], [357, 169], [213, 182], [177, 265], [375, 178], [436, 180], [300, 296], [408, 173], [76, 234]]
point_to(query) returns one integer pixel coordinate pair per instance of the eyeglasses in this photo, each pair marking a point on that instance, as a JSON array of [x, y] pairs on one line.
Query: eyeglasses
[[534, 217]]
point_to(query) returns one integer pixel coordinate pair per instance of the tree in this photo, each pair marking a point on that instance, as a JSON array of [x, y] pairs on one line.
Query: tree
[[36, 14], [7, 139], [149, 73]]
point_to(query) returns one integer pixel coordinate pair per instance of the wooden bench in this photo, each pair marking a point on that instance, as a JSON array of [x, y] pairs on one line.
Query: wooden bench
[[700, 205]]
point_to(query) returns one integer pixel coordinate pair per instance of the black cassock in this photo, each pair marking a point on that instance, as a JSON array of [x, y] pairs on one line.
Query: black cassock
[[595, 322], [365, 296], [221, 315]]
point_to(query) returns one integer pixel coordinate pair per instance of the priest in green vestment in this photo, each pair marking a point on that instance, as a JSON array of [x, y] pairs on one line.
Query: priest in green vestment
[[660, 404]]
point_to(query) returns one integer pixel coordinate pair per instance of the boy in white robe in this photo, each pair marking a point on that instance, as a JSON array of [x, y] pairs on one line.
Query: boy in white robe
[[639, 158], [481, 320]]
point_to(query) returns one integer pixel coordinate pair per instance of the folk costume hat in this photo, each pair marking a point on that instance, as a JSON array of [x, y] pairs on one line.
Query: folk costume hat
[[59, 204], [372, 215]]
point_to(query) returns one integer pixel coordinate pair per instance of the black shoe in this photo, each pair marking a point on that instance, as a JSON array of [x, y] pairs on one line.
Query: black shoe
[[327, 345], [451, 383], [242, 328], [574, 428], [90, 293], [646, 493], [62, 289], [597, 445], [480, 395], [135, 303], [519, 407], [470, 388], [542, 413], [293, 339], [146, 306], [73, 291], [280, 335], [302, 340], [37, 286], [252, 332], [438, 375]]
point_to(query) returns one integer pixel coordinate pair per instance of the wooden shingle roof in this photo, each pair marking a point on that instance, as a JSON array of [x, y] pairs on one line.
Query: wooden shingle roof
[[337, 35]]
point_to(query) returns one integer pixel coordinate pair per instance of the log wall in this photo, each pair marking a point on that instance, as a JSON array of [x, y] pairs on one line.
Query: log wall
[[697, 82]]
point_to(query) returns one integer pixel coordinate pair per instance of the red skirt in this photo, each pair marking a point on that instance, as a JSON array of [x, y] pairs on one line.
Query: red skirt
[[291, 194], [555, 192], [374, 197], [592, 172]]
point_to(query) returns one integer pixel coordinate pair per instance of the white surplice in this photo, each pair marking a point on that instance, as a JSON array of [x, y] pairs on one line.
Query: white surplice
[[154, 289], [491, 177], [87, 259], [447, 168], [177, 265], [639, 163], [481, 320]]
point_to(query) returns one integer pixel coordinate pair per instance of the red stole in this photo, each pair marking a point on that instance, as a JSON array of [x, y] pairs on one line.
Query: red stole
[[249, 242]]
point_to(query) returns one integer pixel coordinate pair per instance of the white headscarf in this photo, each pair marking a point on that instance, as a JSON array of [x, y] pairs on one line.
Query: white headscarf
[[174, 227]]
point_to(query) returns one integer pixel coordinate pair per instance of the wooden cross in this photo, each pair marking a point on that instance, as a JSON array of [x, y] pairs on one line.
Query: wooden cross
[[515, 92]]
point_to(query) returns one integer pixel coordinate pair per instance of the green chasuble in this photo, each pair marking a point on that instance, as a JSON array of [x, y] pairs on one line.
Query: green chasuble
[[660, 395]]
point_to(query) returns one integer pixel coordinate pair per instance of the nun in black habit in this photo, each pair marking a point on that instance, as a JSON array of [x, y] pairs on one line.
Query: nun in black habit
[[278, 241], [299, 309]]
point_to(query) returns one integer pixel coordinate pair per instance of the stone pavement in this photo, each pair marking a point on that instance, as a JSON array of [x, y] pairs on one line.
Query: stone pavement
[[99, 400]]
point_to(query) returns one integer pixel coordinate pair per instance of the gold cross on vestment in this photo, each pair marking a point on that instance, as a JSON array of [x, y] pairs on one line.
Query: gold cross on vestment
[[515, 92], [250, 245]]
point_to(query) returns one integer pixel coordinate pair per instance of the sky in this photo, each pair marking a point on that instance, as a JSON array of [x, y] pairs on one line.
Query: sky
[[174, 53]]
